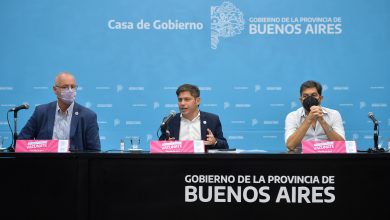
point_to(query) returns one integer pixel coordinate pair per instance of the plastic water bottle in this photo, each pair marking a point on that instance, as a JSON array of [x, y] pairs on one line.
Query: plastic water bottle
[[122, 145], [1, 143], [388, 145]]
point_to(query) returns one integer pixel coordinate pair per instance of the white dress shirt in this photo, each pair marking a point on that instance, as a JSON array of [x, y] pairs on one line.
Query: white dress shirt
[[190, 130], [295, 119], [62, 122]]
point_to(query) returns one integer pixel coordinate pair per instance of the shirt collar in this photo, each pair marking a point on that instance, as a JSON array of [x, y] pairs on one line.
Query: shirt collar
[[68, 111], [196, 118]]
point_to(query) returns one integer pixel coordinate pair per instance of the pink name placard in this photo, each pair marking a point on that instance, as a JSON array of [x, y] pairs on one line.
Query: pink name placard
[[42, 146], [311, 147], [177, 147]]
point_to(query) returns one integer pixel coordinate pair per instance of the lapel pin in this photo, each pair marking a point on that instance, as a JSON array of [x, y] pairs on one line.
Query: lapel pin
[[204, 122], [76, 113]]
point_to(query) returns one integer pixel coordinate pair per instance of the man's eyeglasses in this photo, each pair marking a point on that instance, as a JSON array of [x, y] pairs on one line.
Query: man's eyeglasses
[[72, 87]]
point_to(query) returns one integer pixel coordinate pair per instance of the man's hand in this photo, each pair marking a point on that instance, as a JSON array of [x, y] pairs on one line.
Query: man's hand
[[210, 140], [315, 113]]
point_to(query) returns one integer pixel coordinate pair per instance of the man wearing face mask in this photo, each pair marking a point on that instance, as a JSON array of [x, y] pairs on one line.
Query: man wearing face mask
[[64, 119], [312, 121]]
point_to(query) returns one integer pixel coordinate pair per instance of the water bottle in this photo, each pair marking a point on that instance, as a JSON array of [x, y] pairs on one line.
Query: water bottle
[[388, 145], [1, 143], [122, 145]]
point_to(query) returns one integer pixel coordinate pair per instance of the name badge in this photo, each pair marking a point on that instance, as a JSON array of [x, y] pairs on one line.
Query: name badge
[[38, 146], [177, 147], [311, 147]]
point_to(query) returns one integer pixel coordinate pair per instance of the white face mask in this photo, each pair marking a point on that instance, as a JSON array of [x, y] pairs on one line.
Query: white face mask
[[68, 96]]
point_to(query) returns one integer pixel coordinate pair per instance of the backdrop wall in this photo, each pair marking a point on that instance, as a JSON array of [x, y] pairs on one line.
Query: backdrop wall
[[248, 57]]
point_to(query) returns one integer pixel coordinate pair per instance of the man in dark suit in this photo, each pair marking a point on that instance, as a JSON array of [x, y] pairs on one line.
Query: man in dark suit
[[64, 119], [193, 124]]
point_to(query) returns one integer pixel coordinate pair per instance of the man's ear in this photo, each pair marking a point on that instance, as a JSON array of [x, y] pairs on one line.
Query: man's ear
[[321, 98]]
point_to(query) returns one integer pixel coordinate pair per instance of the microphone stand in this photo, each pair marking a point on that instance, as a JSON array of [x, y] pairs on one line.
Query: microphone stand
[[376, 135], [15, 134], [167, 135], [165, 131]]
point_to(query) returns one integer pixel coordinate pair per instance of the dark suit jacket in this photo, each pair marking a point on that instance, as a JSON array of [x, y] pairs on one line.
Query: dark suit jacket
[[84, 130], [207, 120]]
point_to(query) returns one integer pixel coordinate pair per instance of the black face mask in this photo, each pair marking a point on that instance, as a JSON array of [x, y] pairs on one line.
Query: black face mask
[[309, 102]]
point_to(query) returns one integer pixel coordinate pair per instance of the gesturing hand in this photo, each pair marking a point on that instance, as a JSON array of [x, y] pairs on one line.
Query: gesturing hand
[[210, 140]]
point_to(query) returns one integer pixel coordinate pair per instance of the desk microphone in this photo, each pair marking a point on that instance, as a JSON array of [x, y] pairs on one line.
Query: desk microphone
[[164, 125], [167, 119], [15, 133], [20, 107], [376, 134], [372, 117]]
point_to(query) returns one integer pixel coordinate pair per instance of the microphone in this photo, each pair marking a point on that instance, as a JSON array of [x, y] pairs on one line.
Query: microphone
[[15, 133], [376, 134], [372, 117], [20, 107], [167, 119]]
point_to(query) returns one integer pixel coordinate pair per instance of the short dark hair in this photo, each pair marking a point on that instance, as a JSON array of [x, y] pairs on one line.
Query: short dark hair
[[194, 90], [311, 84]]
